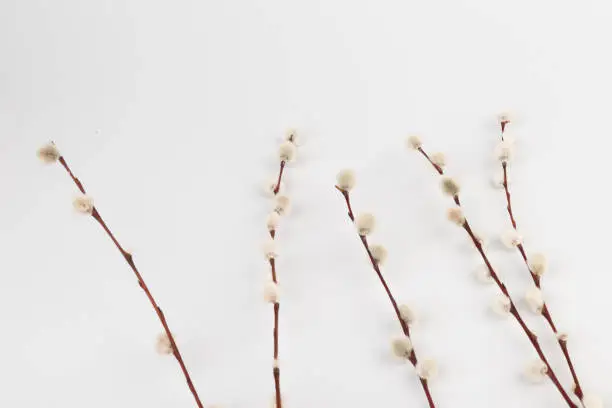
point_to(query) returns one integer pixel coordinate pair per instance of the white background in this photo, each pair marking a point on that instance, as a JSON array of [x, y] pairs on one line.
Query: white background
[[171, 113]]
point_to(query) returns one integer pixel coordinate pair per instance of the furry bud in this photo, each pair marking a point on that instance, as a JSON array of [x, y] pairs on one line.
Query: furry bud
[[365, 223], [345, 180]]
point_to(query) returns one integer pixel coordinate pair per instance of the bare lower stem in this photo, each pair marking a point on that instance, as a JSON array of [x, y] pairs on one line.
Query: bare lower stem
[[405, 328], [536, 280], [513, 310], [128, 258], [276, 368]]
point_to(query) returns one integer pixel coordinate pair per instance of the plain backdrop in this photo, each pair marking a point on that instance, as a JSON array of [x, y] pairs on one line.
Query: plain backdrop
[[171, 113]]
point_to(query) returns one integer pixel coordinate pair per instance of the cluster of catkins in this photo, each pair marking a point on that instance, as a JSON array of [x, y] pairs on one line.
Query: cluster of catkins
[[402, 346]]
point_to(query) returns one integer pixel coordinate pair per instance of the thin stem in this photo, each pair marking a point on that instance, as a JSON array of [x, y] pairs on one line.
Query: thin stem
[[405, 328], [280, 177], [508, 199], [513, 310], [276, 368], [438, 168], [348, 203], [129, 259], [404, 325], [536, 280]]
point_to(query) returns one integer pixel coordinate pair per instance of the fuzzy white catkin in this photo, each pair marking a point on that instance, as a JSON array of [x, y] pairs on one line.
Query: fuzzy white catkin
[[282, 203], [414, 142], [345, 180], [271, 294], [511, 238], [269, 249], [450, 186], [48, 153], [83, 204], [504, 151], [427, 369], [483, 275], [401, 346], [365, 223], [592, 401], [272, 221], [501, 305], [438, 159], [536, 371], [379, 253], [537, 264], [534, 300], [407, 314], [286, 151], [455, 215], [163, 345], [562, 336]]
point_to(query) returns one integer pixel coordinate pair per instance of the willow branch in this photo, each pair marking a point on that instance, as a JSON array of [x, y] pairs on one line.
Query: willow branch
[[536, 278], [276, 304], [513, 310], [129, 259], [412, 357]]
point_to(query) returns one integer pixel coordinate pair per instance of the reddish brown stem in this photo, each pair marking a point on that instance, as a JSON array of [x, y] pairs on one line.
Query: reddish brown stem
[[280, 177], [536, 280], [348, 203], [532, 337], [508, 200], [276, 368], [276, 373], [128, 258], [405, 328], [513, 310], [403, 324], [503, 125], [438, 168]]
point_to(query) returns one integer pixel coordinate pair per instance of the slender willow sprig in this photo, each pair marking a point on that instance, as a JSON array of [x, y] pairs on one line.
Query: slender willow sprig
[[545, 311], [286, 154], [410, 353], [452, 189], [49, 153], [275, 367]]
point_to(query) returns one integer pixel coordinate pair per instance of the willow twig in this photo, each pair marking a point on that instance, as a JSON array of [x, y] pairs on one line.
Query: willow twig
[[129, 259], [454, 192], [562, 340], [412, 357]]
